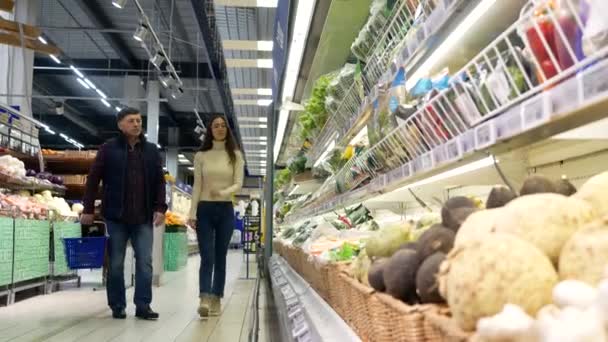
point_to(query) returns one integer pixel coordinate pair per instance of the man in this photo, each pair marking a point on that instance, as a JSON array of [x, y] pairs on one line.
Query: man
[[133, 200]]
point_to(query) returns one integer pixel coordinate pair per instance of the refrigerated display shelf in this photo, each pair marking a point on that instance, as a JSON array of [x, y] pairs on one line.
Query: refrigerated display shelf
[[303, 314]]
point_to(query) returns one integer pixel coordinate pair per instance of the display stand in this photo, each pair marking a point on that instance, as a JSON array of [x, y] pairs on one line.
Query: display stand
[[251, 237]]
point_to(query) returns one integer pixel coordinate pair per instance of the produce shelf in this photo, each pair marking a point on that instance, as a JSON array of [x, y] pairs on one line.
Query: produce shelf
[[303, 314], [445, 133], [63, 165]]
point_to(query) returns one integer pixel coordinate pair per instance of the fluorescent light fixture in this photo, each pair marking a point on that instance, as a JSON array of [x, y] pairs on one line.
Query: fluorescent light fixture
[[91, 84], [255, 138], [453, 40], [82, 83], [101, 93], [330, 147], [476, 165], [42, 40], [247, 3], [76, 71], [141, 33], [251, 91], [253, 126], [159, 146], [249, 63], [49, 131], [64, 136], [54, 58], [181, 156], [261, 142], [296, 188], [191, 168], [248, 45], [252, 102], [251, 119], [118, 109], [119, 3], [303, 17], [166, 81], [105, 103], [264, 102]]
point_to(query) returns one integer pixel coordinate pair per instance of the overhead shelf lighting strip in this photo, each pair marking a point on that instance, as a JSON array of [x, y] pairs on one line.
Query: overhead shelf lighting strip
[[301, 27]]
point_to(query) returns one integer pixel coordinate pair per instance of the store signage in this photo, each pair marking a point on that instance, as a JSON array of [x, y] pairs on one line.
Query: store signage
[[280, 45]]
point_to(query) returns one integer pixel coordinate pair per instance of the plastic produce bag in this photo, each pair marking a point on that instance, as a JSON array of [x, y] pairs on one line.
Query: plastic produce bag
[[596, 30]]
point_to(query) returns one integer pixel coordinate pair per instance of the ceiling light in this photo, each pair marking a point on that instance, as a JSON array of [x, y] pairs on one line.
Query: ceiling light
[[255, 138], [257, 143], [118, 109], [105, 103], [141, 33], [158, 59], [191, 168], [253, 126], [177, 93], [59, 109], [101, 93], [82, 83], [166, 81], [181, 156], [119, 3], [86, 80], [53, 57], [264, 102], [249, 63], [254, 119], [251, 91], [76, 71], [42, 40], [64, 136], [303, 17], [158, 145], [252, 102], [49, 131]]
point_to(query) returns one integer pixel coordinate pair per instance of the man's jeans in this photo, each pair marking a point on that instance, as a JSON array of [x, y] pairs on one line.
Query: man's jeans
[[141, 237], [215, 221]]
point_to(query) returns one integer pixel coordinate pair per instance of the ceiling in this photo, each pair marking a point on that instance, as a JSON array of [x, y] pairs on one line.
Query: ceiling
[[98, 39]]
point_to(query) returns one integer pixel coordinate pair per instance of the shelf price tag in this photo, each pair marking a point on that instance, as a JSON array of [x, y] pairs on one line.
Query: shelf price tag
[[439, 155], [406, 170], [394, 175], [467, 141], [452, 150], [566, 96], [534, 112], [294, 311], [509, 123], [426, 161], [485, 135], [300, 329], [405, 54], [595, 81]]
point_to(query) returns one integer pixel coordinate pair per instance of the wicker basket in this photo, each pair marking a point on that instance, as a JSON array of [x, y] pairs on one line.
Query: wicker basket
[[320, 279], [337, 288], [394, 320], [358, 309], [445, 327]]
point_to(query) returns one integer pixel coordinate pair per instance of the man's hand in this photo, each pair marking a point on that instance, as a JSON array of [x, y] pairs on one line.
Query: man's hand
[[87, 219], [159, 219], [192, 223]]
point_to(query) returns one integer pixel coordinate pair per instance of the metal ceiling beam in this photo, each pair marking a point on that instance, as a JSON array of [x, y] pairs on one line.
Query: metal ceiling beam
[[96, 14], [116, 67], [203, 10]]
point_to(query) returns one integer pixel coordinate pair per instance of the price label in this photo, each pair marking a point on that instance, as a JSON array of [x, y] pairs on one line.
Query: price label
[[565, 96], [485, 135], [406, 170], [499, 84], [420, 35], [427, 161], [534, 112], [448, 3], [467, 141], [452, 150], [509, 124], [595, 81], [405, 54], [394, 175], [416, 165], [439, 155], [300, 330], [294, 311]]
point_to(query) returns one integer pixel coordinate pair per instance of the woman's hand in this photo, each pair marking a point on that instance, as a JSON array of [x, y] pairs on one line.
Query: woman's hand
[[192, 223]]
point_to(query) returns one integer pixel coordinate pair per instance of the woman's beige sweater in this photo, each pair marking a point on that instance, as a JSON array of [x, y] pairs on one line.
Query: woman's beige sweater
[[213, 172]]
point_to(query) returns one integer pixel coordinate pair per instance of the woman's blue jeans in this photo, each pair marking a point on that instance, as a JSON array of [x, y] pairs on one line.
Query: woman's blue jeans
[[215, 224]]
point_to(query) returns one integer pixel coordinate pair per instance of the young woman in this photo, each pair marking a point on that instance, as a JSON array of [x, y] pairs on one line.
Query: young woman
[[218, 173]]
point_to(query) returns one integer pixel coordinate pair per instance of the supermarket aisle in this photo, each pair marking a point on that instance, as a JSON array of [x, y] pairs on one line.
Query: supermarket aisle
[[74, 314]]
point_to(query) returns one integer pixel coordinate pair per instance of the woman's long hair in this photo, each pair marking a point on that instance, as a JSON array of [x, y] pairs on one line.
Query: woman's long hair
[[231, 146]]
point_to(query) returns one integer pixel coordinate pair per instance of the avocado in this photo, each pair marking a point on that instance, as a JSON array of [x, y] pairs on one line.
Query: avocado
[[537, 184], [375, 275], [499, 197], [565, 188], [427, 285], [400, 275], [451, 216], [435, 239]]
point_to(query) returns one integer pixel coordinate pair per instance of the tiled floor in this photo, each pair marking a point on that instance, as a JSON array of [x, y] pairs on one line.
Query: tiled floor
[[81, 314]]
